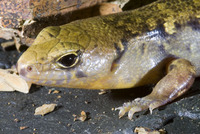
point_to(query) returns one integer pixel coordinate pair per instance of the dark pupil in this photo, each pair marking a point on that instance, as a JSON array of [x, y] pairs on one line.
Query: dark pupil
[[68, 60]]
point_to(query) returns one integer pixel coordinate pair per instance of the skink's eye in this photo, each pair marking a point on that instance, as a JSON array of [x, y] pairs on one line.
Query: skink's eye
[[68, 60]]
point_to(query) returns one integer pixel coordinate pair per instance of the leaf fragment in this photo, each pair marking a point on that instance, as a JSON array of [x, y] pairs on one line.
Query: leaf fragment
[[44, 109], [10, 81]]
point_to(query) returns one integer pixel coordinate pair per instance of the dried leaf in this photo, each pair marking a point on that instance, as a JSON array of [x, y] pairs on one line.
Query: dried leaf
[[102, 92], [44, 109], [58, 97], [23, 127], [6, 34], [16, 120], [56, 91], [10, 81], [143, 130], [81, 117], [50, 90]]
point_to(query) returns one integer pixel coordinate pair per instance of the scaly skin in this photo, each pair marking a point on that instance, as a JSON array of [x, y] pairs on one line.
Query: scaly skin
[[120, 51]]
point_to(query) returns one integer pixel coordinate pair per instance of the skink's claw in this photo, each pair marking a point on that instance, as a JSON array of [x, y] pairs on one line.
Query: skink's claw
[[138, 105], [123, 109], [154, 105], [132, 111], [181, 75]]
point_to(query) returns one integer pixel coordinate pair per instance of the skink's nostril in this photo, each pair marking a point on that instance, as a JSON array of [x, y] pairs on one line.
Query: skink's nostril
[[29, 68]]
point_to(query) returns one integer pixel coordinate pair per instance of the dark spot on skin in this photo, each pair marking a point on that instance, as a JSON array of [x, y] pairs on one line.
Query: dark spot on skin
[[124, 43], [161, 48], [80, 74], [62, 44], [42, 58], [188, 47], [194, 24], [161, 30], [78, 52], [95, 46], [134, 35], [51, 35], [171, 67], [177, 25], [142, 48], [120, 51]]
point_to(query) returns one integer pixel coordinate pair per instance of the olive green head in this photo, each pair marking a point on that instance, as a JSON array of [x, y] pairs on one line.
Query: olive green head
[[68, 56]]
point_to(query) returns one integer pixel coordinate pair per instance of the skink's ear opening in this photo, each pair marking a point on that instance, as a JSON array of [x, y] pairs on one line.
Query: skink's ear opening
[[120, 49], [114, 66]]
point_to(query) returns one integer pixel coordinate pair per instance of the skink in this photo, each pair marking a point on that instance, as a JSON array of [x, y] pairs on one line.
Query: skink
[[155, 44]]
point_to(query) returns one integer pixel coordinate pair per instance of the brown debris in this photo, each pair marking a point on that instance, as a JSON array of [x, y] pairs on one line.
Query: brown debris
[[44, 109], [16, 120], [144, 130], [58, 97], [56, 91], [87, 102], [102, 92], [52, 91], [81, 117], [23, 127]]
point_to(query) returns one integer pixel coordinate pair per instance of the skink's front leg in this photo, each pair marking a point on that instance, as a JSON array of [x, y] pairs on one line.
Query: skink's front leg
[[180, 77]]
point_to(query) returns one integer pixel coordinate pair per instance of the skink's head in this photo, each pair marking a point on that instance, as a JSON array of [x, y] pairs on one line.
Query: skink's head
[[68, 56]]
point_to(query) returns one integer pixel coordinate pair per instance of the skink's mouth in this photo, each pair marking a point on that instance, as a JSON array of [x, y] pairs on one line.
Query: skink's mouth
[[24, 71], [31, 74]]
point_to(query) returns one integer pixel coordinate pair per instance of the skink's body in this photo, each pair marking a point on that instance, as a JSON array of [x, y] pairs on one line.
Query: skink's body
[[122, 51]]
